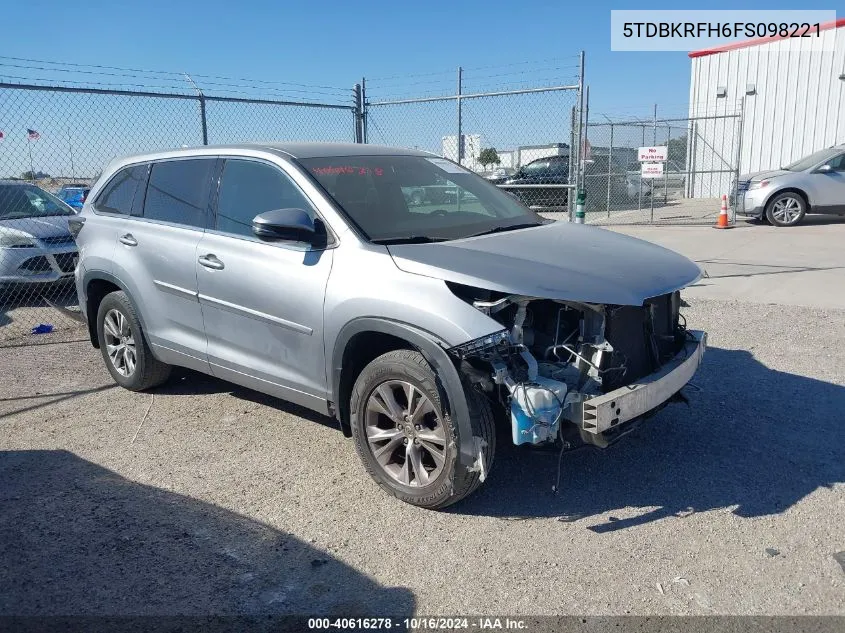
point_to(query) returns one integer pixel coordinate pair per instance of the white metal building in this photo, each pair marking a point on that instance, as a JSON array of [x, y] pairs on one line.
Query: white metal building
[[790, 93]]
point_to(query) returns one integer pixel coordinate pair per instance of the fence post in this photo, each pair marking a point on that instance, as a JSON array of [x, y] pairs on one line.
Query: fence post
[[460, 149], [738, 155], [640, 197], [364, 117], [572, 166], [581, 199], [204, 120], [610, 169], [579, 166], [666, 176], [654, 142], [358, 131], [201, 98]]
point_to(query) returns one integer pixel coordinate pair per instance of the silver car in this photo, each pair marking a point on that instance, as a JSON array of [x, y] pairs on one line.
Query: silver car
[[36, 245], [815, 184], [302, 271]]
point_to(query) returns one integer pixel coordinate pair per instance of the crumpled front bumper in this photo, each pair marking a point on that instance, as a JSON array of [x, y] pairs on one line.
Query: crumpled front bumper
[[612, 409]]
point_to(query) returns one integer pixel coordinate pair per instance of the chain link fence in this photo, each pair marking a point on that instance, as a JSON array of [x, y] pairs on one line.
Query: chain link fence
[[520, 135], [55, 142], [702, 164], [525, 128]]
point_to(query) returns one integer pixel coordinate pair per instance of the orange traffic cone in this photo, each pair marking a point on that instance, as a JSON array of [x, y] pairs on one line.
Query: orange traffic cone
[[722, 222]]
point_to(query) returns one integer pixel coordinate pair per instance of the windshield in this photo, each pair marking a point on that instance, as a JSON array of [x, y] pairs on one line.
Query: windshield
[[29, 201], [813, 159], [415, 198]]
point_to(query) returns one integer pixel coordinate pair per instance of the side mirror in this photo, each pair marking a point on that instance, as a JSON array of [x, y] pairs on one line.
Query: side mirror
[[284, 224], [824, 169]]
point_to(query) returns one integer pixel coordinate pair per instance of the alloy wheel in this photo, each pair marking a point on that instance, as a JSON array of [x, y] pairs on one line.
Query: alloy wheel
[[120, 342], [786, 210], [405, 433]]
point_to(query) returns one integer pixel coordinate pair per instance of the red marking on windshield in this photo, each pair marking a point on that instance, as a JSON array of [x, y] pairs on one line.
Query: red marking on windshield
[[361, 171]]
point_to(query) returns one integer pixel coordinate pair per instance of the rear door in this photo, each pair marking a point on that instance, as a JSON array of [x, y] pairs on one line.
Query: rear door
[[262, 301], [107, 220], [156, 257]]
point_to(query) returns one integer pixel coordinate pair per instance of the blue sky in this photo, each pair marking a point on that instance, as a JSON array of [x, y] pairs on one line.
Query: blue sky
[[335, 42], [403, 48]]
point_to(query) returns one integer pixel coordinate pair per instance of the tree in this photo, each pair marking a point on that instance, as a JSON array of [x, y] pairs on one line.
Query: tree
[[489, 156], [677, 149]]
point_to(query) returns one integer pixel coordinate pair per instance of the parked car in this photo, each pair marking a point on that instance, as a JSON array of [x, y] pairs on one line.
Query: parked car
[[636, 185], [299, 270], [814, 184], [36, 245], [73, 195], [551, 170], [437, 193], [497, 173]]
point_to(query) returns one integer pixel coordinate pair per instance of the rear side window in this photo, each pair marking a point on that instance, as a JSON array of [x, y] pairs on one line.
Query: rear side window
[[119, 194], [178, 191], [249, 188]]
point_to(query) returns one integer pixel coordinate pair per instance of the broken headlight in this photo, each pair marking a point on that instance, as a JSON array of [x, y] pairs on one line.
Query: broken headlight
[[483, 346]]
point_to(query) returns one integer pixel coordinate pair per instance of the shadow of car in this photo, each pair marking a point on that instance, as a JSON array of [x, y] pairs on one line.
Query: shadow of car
[[80, 539], [736, 446]]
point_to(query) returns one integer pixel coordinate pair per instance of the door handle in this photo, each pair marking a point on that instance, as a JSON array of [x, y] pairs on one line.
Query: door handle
[[211, 261], [128, 239]]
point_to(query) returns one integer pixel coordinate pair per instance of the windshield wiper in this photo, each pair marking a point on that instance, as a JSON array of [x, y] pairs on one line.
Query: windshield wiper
[[510, 227], [411, 239]]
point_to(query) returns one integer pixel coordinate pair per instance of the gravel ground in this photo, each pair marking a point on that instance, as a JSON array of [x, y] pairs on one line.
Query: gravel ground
[[204, 497]]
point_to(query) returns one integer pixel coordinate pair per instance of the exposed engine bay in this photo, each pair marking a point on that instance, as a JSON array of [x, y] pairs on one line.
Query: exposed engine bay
[[553, 355]]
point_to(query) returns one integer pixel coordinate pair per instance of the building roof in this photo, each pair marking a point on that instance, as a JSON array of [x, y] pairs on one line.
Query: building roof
[[825, 26]]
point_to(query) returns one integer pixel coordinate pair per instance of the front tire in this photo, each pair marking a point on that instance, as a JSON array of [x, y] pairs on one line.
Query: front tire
[[786, 209], [125, 351], [405, 439]]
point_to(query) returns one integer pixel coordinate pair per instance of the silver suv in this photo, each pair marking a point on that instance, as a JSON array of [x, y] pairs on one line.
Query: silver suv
[[815, 184], [302, 271]]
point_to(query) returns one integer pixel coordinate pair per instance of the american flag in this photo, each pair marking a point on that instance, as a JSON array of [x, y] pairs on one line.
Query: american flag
[[32, 135]]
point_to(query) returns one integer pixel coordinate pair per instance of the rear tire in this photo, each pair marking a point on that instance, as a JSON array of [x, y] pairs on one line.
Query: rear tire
[[124, 346], [404, 438]]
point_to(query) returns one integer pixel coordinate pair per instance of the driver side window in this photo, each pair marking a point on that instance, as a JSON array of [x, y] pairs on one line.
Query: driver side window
[[837, 163], [248, 188]]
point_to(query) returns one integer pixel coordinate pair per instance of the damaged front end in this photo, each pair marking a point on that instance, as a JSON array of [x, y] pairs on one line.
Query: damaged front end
[[578, 371]]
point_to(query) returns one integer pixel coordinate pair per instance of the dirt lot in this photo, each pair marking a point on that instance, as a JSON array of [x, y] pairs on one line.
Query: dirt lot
[[205, 498]]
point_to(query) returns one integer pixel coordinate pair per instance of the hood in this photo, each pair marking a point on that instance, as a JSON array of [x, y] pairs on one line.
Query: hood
[[39, 227], [764, 175], [554, 261]]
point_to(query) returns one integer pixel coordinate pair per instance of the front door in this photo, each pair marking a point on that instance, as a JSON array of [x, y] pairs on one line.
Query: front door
[[262, 302], [828, 194]]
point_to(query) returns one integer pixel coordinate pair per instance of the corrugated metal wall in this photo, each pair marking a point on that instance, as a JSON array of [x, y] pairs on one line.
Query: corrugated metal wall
[[798, 106]]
